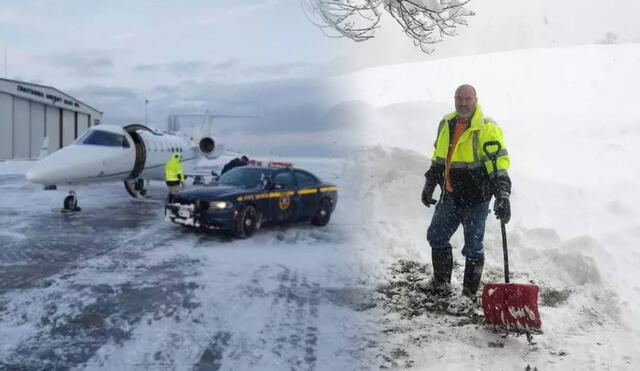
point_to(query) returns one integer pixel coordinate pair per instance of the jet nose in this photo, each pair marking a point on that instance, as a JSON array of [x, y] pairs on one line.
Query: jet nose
[[77, 164], [61, 167], [32, 176], [42, 173]]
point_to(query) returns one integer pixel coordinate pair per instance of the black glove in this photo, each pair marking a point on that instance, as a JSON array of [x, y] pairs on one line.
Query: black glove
[[502, 209], [427, 195]]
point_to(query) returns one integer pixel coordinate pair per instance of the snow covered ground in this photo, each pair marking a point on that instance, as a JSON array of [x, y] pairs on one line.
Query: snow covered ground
[[572, 127], [116, 287]]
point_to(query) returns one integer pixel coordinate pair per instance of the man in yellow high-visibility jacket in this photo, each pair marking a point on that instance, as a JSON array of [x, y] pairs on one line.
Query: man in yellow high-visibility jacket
[[465, 174], [173, 174]]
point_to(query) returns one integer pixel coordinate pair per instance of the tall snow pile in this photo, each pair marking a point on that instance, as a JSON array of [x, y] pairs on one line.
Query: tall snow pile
[[572, 127]]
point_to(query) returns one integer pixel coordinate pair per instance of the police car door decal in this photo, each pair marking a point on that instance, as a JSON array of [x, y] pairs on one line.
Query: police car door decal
[[284, 201]]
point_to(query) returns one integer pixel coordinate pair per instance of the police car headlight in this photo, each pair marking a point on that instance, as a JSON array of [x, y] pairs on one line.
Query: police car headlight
[[220, 205]]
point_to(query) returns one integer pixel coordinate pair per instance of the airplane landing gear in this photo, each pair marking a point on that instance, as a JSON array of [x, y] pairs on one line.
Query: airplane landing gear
[[139, 186], [70, 203], [136, 188]]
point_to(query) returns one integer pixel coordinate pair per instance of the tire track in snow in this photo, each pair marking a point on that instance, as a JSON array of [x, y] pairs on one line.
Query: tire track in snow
[[292, 323], [53, 242], [81, 313]]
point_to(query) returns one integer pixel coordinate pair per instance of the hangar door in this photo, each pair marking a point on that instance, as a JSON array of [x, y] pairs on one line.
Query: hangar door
[[83, 123], [68, 127], [6, 126], [21, 128], [37, 128], [53, 128]]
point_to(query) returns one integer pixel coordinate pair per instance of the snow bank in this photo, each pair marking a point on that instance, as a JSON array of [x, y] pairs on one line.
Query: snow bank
[[572, 134]]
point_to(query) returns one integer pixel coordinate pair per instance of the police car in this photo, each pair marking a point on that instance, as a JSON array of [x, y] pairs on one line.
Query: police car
[[244, 198]]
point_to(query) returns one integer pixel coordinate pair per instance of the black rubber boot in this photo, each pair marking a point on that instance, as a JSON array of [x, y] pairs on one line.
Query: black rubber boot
[[472, 276], [442, 261]]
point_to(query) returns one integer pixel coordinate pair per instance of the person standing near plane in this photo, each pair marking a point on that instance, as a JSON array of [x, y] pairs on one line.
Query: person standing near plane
[[174, 174]]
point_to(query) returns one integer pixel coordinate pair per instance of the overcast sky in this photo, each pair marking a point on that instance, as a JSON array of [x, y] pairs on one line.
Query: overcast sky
[[252, 57], [255, 57]]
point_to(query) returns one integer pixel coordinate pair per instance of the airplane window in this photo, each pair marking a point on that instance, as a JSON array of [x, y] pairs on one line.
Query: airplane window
[[105, 138], [84, 136]]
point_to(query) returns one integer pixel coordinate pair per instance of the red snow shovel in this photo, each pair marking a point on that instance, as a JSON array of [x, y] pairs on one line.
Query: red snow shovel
[[513, 306]]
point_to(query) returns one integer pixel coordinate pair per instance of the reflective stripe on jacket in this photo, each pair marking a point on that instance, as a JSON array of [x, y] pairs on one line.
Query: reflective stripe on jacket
[[471, 170]]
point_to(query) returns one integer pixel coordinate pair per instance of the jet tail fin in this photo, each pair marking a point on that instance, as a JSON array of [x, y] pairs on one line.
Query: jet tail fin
[[203, 136], [206, 128]]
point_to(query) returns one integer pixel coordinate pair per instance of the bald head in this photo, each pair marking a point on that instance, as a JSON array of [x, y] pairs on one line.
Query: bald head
[[466, 101]]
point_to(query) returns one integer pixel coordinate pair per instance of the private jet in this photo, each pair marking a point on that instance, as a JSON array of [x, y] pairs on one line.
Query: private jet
[[132, 153]]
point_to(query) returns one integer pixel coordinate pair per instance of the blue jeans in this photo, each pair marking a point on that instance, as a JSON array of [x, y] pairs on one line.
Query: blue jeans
[[446, 220]]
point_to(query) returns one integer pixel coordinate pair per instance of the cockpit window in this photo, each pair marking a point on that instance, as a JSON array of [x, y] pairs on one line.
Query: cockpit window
[[103, 138], [246, 177], [83, 136]]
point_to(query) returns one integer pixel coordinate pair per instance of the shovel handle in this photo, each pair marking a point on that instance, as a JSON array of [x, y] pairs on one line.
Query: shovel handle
[[493, 156], [505, 252]]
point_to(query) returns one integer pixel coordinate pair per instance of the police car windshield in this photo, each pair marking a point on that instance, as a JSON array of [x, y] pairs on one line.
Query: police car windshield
[[247, 177], [103, 138]]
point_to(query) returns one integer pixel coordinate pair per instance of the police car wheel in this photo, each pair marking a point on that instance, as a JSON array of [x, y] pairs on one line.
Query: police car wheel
[[247, 222], [323, 214]]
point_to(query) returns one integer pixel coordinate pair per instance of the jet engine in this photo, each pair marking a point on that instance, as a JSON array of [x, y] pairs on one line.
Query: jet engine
[[207, 146]]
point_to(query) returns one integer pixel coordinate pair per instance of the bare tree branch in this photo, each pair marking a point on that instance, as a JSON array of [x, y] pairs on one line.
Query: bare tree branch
[[426, 22]]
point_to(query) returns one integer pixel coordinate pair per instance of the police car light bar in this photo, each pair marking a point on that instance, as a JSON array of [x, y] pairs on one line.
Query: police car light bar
[[280, 164]]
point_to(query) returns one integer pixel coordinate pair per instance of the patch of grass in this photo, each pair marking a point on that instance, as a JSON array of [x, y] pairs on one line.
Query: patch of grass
[[406, 294], [399, 353], [550, 297], [408, 266]]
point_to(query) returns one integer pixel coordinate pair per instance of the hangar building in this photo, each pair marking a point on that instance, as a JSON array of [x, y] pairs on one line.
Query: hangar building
[[29, 112]]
